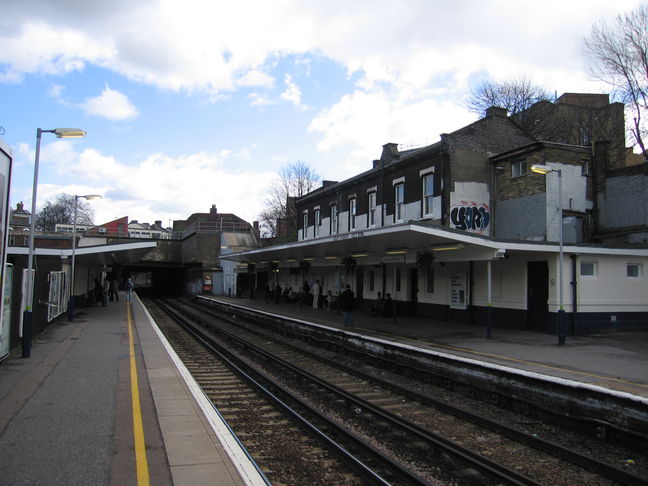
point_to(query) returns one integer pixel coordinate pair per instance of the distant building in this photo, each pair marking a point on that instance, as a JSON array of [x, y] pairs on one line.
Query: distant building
[[151, 231], [19, 218]]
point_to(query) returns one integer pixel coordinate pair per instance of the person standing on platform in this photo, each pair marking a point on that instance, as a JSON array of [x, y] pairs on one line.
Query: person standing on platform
[[114, 290], [129, 288], [316, 294], [347, 303]]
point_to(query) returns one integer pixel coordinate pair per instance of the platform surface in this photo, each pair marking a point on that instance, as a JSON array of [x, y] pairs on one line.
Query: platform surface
[[66, 413]]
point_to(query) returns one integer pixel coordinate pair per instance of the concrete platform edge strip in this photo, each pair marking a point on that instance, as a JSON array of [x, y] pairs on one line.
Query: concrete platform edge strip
[[532, 374], [239, 457]]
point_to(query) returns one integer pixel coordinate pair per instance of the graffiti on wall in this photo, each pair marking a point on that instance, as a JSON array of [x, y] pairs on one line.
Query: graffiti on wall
[[470, 216]]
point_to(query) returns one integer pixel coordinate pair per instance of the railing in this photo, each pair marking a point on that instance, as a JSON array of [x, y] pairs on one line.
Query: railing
[[212, 227]]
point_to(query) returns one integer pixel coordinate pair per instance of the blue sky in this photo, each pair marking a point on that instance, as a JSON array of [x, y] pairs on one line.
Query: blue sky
[[198, 102]]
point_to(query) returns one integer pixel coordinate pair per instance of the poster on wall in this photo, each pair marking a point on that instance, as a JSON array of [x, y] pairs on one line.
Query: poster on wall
[[458, 297], [5, 325], [5, 176], [207, 283]]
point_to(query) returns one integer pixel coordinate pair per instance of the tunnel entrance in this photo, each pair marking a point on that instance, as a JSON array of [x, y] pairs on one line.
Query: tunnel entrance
[[162, 281]]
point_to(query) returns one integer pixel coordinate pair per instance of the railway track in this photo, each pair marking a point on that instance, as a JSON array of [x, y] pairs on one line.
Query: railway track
[[423, 432]]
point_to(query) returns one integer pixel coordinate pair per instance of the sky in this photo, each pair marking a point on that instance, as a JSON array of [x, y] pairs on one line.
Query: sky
[[194, 103]]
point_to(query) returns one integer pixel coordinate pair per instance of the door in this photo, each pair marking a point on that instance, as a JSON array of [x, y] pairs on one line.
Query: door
[[537, 295], [413, 287], [359, 281]]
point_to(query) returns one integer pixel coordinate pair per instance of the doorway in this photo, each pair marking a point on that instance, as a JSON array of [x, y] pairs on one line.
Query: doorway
[[359, 281], [413, 297], [537, 295]]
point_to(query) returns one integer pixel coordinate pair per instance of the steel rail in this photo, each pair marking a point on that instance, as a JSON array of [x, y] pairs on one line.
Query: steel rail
[[364, 470], [473, 459]]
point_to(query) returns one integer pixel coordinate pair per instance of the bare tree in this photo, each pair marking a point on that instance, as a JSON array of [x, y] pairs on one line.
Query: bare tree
[[620, 59], [515, 95], [293, 180], [61, 211]]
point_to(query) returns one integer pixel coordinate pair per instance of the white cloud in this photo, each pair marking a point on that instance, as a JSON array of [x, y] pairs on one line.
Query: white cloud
[[110, 104], [293, 94], [159, 186], [367, 120], [260, 99]]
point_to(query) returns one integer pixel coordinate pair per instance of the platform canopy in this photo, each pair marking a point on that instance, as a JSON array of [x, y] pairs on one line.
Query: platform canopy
[[96, 255], [447, 244]]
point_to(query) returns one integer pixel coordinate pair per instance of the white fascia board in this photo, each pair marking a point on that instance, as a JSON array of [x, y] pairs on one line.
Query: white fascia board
[[84, 250], [451, 236], [89, 250]]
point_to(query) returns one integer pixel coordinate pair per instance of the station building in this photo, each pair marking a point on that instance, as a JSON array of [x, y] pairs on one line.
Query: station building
[[463, 230]]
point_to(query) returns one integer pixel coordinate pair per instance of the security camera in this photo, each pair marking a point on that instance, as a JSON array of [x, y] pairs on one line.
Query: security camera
[[500, 254]]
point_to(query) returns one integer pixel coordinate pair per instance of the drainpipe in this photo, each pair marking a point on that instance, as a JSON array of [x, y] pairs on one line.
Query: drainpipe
[[574, 283], [382, 194]]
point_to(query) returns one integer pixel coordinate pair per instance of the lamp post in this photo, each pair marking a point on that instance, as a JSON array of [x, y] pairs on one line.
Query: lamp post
[[74, 224], [27, 314], [543, 169]]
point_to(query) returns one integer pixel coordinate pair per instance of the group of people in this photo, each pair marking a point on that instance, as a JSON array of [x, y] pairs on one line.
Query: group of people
[[382, 307], [305, 295], [314, 296], [109, 291]]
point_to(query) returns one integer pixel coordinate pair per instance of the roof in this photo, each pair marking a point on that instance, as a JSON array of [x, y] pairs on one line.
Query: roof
[[94, 255], [416, 237]]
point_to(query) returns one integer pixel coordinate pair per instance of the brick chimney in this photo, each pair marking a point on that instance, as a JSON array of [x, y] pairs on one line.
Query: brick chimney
[[390, 153], [213, 211], [496, 111]]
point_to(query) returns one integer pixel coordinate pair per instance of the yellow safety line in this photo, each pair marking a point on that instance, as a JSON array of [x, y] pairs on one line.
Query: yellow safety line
[[533, 363], [141, 462]]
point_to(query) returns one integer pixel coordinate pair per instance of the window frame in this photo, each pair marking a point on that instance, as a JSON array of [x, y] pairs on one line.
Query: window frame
[[333, 220], [353, 209], [399, 205], [371, 209], [594, 265], [427, 209], [519, 163], [304, 224], [317, 222], [636, 265]]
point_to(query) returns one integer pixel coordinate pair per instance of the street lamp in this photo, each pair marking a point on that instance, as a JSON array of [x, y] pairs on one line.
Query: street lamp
[[74, 223], [27, 314], [543, 169]]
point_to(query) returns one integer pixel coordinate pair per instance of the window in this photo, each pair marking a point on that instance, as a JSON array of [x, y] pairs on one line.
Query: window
[[372, 281], [633, 270], [334, 219], [371, 212], [428, 194], [317, 223], [398, 280], [352, 213], [588, 269], [429, 281], [584, 135], [305, 225], [399, 200], [586, 167], [518, 168]]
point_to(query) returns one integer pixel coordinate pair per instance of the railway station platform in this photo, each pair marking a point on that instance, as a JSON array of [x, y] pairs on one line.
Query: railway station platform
[[102, 402], [613, 360]]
